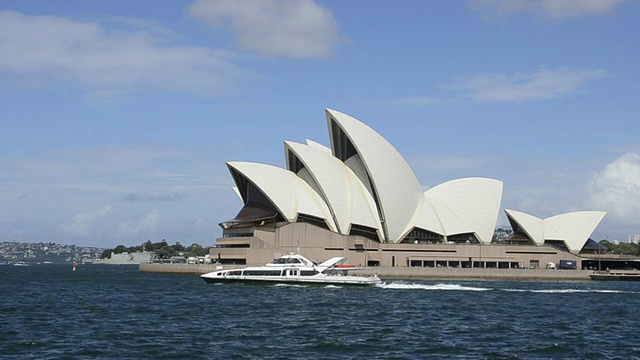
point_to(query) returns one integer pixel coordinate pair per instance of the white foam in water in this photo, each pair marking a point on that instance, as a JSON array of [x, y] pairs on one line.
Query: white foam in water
[[291, 285], [401, 285], [566, 291]]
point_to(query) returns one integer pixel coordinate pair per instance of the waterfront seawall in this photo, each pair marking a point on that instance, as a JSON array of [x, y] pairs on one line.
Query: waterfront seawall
[[196, 269], [404, 272]]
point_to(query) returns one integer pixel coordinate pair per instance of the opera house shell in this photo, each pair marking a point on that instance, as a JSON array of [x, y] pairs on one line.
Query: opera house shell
[[360, 199], [570, 230]]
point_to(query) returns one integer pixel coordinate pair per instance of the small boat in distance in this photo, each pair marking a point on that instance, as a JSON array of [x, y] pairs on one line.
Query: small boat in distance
[[294, 269], [616, 275]]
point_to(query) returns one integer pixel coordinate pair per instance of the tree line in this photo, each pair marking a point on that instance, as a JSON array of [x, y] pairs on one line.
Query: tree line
[[621, 248], [162, 249]]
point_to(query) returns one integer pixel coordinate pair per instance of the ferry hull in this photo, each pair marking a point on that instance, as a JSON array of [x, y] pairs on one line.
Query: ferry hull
[[349, 281], [616, 275], [605, 277]]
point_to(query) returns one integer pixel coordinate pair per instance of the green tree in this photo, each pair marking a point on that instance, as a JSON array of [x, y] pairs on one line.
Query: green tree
[[622, 248], [120, 249], [178, 246], [159, 245], [165, 252], [147, 246], [196, 250]]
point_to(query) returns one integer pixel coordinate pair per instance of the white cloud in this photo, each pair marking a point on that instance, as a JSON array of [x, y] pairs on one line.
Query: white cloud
[[107, 62], [281, 28], [107, 160], [82, 225], [553, 9], [616, 189], [131, 197], [143, 227], [544, 84], [560, 9]]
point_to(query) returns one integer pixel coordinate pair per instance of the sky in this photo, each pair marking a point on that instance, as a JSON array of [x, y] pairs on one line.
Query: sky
[[117, 117]]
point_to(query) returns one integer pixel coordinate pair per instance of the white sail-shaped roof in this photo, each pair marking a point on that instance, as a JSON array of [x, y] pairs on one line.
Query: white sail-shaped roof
[[348, 200], [468, 205], [380, 167], [531, 225], [573, 228], [287, 192], [426, 218]]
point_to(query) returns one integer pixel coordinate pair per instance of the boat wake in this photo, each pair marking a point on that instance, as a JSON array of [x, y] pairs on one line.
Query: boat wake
[[569, 291], [290, 285], [401, 285], [458, 287]]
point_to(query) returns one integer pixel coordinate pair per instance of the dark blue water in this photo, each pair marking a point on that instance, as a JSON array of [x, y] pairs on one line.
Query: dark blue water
[[102, 311]]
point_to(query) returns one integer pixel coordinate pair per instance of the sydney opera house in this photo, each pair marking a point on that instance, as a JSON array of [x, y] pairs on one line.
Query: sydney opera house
[[360, 199]]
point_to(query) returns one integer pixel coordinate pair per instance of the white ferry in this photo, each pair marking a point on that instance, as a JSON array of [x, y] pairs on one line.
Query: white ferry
[[294, 269]]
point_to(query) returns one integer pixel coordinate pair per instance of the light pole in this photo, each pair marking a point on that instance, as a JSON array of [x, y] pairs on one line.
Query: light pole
[[600, 255], [365, 256]]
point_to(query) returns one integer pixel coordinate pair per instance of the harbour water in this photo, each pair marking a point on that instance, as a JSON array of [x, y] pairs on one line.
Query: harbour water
[[103, 311]]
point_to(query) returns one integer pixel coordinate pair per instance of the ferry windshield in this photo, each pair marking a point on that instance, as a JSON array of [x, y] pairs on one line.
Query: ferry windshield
[[286, 261]]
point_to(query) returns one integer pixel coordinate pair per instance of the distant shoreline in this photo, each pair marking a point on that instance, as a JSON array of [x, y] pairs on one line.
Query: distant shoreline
[[406, 272]]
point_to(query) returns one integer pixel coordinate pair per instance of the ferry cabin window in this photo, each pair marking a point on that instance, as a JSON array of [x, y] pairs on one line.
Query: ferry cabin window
[[262, 272], [235, 272]]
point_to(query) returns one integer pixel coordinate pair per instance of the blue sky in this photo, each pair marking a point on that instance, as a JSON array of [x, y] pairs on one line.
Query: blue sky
[[117, 117]]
